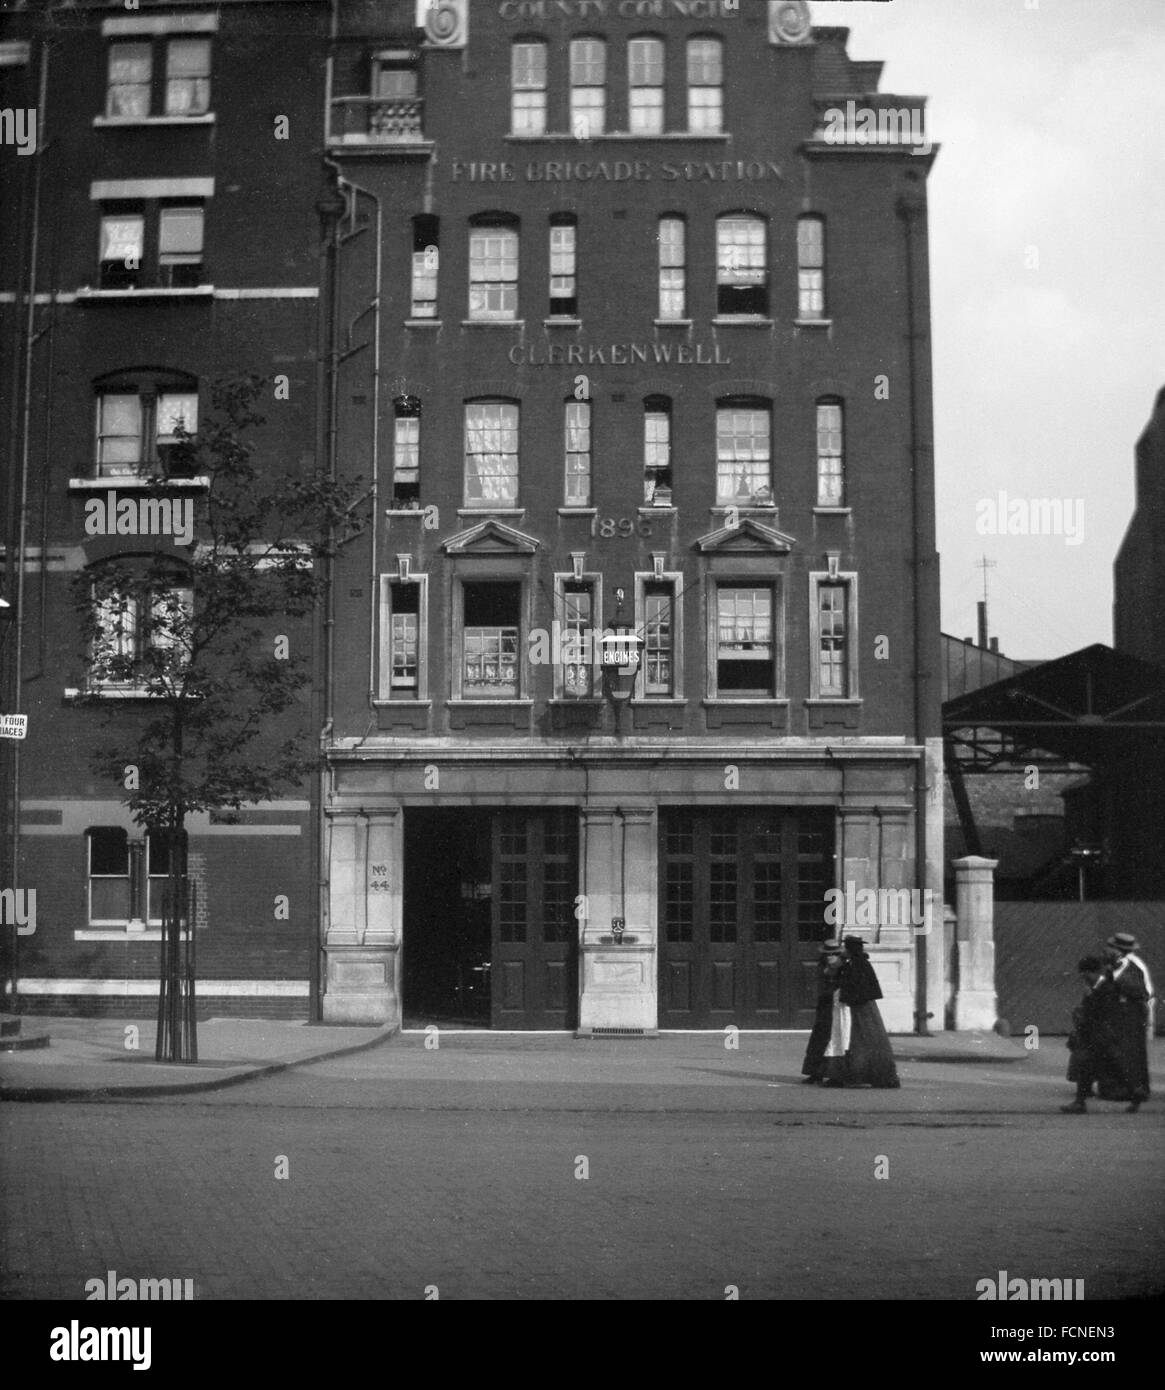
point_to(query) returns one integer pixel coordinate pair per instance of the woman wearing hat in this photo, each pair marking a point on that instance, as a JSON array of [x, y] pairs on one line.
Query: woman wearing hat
[[813, 1068], [869, 1059], [1124, 1011]]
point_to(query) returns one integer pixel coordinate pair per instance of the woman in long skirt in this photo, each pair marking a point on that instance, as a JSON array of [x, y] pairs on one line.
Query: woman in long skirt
[[859, 1052], [813, 1068]]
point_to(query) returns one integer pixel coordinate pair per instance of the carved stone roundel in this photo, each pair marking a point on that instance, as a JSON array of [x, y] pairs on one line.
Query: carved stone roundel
[[444, 21], [789, 21]]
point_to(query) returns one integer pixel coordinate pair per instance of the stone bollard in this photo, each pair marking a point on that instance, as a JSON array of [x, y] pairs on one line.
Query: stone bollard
[[975, 998]]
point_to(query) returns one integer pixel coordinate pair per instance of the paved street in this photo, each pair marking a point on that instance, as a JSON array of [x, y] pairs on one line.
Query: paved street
[[460, 1168]]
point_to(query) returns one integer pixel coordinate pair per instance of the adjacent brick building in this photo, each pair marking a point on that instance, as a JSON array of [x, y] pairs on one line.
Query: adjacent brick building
[[167, 233]]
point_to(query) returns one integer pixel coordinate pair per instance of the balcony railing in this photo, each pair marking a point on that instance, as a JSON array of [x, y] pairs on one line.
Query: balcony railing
[[377, 121]]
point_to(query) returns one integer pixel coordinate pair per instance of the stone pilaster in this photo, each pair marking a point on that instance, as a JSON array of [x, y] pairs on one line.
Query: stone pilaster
[[363, 930], [621, 872]]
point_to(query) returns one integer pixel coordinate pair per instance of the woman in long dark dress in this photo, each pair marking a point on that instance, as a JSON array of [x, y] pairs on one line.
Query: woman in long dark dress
[[814, 1066], [869, 1059]]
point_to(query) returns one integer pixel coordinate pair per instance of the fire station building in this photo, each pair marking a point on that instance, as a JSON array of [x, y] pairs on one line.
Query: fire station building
[[628, 337]]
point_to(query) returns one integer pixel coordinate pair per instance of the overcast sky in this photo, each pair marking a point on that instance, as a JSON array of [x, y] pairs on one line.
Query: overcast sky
[[1046, 361]]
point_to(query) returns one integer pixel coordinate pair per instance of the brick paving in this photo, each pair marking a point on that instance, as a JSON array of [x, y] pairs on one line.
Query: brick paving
[[399, 1183]]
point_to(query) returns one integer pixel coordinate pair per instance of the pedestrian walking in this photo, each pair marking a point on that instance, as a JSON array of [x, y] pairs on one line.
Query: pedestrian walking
[[1126, 1013], [1087, 1062], [828, 963], [858, 1052]]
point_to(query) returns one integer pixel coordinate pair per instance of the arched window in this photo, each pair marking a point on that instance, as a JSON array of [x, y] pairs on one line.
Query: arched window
[[142, 628], [493, 268], [588, 87], [742, 265], [491, 453], [138, 416], [577, 442], [673, 267], [645, 66], [426, 265], [744, 465], [528, 81], [830, 452], [810, 268], [657, 480], [563, 266], [406, 453], [705, 86]]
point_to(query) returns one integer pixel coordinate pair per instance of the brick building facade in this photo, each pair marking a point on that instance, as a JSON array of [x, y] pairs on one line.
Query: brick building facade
[[628, 340], [167, 234]]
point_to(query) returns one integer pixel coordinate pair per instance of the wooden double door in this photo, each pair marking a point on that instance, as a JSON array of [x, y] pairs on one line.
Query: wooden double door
[[742, 912], [490, 934]]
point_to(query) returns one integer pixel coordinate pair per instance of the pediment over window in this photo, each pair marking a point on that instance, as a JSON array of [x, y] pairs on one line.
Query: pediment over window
[[490, 538], [749, 535]]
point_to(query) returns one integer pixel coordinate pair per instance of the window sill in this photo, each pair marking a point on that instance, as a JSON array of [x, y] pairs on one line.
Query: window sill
[[402, 704], [518, 512], [124, 692], [767, 702], [418, 512], [577, 701], [722, 509], [834, 700], [656, 701], [561, 321], [122, 934], [813, 323], [422, 323], [470, 703], [742, 321], [135, 483], [578, 511], [493, 323], [87, 295], [657, 511], [674, 323], [113, 122], [380, 144], [832, 511]]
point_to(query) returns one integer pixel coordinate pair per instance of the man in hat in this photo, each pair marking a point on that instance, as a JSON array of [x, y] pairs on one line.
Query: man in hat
[[813, 1067], [1124, 1011]]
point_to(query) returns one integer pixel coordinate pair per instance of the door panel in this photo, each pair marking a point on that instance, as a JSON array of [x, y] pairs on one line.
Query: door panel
[[742, 909], [535, 932]]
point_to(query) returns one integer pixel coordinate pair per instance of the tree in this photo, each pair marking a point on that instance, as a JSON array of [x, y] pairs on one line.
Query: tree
[[205, 636]]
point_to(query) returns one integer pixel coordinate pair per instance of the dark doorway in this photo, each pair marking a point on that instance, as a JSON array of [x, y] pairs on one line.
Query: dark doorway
[[490, 931], [447, 919]]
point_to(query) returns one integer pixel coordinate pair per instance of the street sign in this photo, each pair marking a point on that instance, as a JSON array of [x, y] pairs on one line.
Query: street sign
[[13, 725]]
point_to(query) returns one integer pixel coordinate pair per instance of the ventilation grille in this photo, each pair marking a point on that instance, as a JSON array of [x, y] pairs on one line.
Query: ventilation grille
[[617, 1032]]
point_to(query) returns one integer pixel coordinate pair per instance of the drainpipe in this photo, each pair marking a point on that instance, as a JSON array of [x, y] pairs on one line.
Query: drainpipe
[[30, 340], [374, 492], [911, 209]]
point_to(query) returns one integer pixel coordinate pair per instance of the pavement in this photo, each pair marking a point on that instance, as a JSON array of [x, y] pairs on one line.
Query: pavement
[[96, 1058]]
